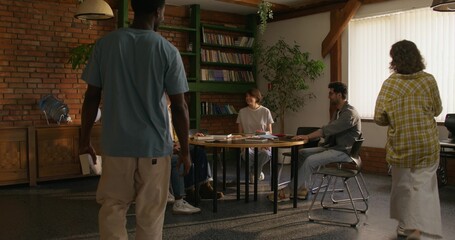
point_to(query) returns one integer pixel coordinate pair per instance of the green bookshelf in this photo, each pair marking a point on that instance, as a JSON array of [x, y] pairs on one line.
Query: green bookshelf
[[227, 33]]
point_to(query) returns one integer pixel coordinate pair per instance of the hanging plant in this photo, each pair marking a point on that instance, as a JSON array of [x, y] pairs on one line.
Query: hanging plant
[[265, 13], [79, 55]]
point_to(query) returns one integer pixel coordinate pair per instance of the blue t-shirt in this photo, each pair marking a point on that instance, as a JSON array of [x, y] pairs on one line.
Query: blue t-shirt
[[134, 68]]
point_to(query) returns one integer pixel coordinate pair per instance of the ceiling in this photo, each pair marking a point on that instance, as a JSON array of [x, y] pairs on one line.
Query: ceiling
[[244, 7]]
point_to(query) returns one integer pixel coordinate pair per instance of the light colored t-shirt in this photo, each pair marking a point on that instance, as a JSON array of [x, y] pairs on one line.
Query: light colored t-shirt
[[135, 68], [252, 120]]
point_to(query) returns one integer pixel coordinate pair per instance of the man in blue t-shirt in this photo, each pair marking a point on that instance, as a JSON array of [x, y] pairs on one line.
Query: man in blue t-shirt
[[131, 69]]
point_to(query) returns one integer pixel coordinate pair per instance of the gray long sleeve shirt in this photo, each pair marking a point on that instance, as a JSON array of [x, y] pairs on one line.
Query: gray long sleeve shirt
[[342, 130]]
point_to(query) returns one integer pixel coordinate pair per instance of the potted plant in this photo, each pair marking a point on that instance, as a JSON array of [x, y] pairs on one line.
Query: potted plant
[[287, 71]]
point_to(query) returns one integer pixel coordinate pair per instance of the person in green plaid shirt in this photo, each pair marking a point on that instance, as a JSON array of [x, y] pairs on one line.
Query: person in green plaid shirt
[[407, 103]]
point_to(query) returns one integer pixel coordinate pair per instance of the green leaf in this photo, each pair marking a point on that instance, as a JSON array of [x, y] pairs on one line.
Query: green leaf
[[79, 55]]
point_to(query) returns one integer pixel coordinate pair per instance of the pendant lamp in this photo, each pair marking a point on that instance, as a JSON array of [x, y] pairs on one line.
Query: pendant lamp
[[94, 10], [443, 5]]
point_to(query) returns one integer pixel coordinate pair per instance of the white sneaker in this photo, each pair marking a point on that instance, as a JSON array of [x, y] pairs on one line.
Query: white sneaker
[[260, 178], [170, 198], [182, 207]]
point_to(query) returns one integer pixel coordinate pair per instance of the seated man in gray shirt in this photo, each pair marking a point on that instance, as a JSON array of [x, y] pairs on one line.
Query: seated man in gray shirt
[[340, 133]]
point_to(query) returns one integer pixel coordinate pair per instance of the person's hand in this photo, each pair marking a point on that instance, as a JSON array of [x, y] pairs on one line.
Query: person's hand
[[176, 149], [301, 137], [198, 134], [90, 150], [186, 161]]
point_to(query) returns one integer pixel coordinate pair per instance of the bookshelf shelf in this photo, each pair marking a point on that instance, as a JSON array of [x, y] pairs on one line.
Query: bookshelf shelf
[[228, 28]]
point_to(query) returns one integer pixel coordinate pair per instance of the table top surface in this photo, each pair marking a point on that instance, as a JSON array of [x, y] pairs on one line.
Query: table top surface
[[241, 143], [447, 143]]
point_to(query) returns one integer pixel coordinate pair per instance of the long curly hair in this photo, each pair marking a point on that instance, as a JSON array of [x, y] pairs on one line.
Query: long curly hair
[[406, 58]]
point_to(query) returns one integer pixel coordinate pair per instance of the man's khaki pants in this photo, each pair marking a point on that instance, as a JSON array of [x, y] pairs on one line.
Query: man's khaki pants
[[125, 180]]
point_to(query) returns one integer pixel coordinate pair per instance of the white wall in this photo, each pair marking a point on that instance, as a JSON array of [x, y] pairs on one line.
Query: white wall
[[309, 32]]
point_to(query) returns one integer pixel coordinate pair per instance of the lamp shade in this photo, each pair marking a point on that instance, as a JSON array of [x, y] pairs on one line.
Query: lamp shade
[[94, 10], [443, 5]]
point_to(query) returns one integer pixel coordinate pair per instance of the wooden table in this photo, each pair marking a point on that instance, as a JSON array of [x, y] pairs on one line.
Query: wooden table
[[239, 144]]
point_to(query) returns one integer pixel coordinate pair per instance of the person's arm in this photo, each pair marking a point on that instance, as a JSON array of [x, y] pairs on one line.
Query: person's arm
[[437, 105], [269, 128], [89, 111], [180, 120], [306, 138], [380, 115]]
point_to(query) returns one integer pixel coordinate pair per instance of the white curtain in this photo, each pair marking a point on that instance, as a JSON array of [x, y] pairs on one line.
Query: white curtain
[[370, 40]]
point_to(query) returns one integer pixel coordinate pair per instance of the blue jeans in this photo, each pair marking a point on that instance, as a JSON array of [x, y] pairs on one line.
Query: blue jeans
[[310, 159], [264, 155], [204, 168], [177, 182]]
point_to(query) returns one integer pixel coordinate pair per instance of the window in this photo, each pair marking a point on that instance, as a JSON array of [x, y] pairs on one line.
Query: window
[[370, 40]]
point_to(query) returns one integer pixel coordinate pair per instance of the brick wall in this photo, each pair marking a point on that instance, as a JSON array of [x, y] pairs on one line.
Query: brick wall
[[35, 40]]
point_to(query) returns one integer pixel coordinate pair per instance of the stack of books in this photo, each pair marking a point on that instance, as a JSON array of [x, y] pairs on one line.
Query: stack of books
[[256, 139], [213, 137]]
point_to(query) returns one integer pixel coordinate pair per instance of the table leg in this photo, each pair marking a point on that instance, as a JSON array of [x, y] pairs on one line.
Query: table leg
[[224, 169], [256, 174], [215, 180], [239, 156], [247, 178], [196, 173], [274, 179], [295, 160]]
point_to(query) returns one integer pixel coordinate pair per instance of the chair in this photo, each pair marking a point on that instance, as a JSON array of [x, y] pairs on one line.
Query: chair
[[344, 171], [311, 143]]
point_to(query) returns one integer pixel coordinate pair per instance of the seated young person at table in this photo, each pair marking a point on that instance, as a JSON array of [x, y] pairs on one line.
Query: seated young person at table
[[340, 133], [204, 177], [252, 119], [180, 206]]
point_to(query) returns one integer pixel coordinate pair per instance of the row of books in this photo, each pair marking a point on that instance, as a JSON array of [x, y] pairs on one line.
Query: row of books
[[226, 40], [208, 108], [226, 75], [226, 57]]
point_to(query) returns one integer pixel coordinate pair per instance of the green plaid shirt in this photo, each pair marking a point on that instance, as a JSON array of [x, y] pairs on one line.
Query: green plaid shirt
[[408, 104]]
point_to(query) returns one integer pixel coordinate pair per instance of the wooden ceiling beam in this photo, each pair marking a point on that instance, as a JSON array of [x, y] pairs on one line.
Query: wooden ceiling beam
[[342, 21], [304, 11]]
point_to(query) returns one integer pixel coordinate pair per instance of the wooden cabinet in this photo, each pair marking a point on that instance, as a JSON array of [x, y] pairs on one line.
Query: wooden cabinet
[[13, 156], [57, 152], [35, 154]]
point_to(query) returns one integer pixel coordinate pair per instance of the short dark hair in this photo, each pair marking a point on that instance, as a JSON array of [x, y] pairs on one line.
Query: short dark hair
[[339, 87], [146, 6], [406, 58], [254, 92]]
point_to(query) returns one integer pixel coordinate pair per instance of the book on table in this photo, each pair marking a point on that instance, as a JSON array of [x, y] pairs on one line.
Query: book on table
[[214, 137], [206, 137], [256, 139]]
